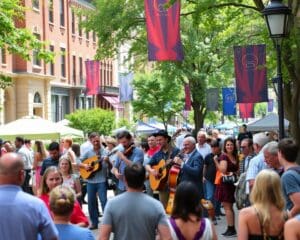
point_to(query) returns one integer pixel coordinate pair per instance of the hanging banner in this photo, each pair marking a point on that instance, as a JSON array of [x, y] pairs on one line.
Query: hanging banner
[[251, 74], [270, 105], [163, 31], [246, 110], [92, 77], [212, 99], [188, 101], [125, 90], [229, 102]]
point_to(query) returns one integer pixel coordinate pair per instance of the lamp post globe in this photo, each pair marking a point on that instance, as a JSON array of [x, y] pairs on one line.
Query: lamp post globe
[[276, 16]]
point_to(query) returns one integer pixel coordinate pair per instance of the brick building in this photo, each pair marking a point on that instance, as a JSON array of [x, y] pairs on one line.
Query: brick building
[[55, 89]]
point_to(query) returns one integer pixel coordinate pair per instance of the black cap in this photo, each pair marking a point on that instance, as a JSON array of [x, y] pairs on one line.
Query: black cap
[[163, 133]]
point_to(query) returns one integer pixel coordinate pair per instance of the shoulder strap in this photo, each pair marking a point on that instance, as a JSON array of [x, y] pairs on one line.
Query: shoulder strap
[[176, 229], [201, 230]]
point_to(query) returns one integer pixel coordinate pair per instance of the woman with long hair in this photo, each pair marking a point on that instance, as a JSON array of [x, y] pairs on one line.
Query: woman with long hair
[[186, 220], [40, 153], [52, 178], [266, 217], [62, 200], [69, 179], [227, 164]]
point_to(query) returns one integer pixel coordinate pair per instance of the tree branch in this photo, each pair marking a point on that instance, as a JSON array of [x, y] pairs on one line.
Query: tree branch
[[233, 5]]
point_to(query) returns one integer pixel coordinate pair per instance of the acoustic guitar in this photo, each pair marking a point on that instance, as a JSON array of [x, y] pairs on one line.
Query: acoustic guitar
[[173, 181], [159, 182], [96, 163]]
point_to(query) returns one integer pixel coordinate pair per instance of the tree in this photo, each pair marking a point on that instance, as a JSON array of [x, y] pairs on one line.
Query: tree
[[237, 22], [17, 40], [93, 120], [157, 96]]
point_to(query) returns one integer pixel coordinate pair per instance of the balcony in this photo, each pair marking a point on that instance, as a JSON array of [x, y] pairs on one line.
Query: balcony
[[108, 90]]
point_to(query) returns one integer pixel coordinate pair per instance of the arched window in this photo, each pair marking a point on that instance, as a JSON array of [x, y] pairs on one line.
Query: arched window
[[37, 98]]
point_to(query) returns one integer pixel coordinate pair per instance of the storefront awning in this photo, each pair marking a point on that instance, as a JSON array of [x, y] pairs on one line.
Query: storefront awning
[[114, 101]]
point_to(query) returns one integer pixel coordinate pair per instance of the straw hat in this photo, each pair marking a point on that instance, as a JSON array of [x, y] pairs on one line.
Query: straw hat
[[111, 140]]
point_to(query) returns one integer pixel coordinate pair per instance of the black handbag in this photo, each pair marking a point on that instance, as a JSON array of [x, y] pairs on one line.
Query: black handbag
[[112, 181], [230, 179]]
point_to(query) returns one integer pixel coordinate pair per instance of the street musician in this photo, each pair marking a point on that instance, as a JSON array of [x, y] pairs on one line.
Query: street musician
[[164, 157]]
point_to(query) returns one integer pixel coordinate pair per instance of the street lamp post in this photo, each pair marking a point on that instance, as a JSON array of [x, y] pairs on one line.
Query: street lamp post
[[276, 16]]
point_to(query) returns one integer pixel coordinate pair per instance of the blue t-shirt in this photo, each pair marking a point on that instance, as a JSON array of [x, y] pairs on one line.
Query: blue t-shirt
[[73, 232], [291, 184]]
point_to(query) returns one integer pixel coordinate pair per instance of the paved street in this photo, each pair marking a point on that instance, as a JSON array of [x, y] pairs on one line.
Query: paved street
[[220, 227]]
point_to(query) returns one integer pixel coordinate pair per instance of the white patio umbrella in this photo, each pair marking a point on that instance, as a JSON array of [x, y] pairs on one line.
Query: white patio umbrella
[[34, 127]]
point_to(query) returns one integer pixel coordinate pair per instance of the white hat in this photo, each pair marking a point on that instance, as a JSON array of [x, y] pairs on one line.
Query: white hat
[[261, 138]]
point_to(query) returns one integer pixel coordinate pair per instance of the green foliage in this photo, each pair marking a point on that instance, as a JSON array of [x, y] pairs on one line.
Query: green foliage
[[5, 81], [157, 96], [93, 120], [18, 40], [260, 109], [123, 122]]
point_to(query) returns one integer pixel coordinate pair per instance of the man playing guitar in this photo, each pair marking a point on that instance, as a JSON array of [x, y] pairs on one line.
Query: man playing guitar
[[129, 155], [96, 184], [167, 153]]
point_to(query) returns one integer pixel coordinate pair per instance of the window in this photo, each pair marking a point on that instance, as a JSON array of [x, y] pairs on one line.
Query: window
[[36, 4], [87, 35], [3, 56], [73, 22], [37, 98], [80, 70], [74, 69], [51, 11], [52, 72], [62, 12], [79, 26], [63, 62], [35, 55]]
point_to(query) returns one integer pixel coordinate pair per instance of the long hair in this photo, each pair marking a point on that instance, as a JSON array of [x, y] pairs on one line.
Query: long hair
[[66, 158], [40, 148], [235, 150], [267, 192], [44, 189], [187, 201]]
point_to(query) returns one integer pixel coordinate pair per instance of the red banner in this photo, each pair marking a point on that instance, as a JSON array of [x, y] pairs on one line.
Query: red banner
[[246, 110], [92, 77], [163, 31], [188, 101], [251, 74]]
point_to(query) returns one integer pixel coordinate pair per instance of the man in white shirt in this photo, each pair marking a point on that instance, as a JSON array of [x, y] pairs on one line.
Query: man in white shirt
[[27, 158], [202, 146]]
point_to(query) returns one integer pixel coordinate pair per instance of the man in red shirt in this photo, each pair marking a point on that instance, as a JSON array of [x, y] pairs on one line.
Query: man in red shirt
[[153, 146]]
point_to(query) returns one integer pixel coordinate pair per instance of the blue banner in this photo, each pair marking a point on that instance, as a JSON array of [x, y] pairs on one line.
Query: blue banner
[[126, 90], [229, 101]]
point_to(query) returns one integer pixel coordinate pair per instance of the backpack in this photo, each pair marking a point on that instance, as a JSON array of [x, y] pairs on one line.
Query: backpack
[[241, 198]]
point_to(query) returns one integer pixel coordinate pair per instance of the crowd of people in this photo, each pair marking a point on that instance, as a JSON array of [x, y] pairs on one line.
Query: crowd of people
[[43, 190]]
